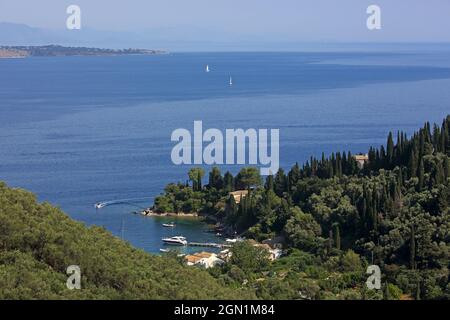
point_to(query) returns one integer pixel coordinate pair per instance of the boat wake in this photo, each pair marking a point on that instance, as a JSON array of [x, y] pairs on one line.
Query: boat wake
[[131, 201]]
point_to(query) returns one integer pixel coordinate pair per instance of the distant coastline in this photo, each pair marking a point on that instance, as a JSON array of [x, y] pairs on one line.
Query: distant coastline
[[57, 51]]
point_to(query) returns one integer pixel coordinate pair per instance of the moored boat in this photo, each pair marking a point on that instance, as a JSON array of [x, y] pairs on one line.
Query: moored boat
[[169, 225], [177, 240]]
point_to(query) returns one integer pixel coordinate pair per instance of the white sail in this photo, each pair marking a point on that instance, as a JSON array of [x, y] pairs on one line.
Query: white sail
[[231, 81], [207, 68]]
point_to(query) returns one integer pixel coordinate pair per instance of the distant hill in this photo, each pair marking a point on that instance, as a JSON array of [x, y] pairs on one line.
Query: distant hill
[[13, 34], [54, 50], [20, 34]]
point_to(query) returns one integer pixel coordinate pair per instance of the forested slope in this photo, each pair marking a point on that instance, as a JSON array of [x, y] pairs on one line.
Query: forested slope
[[38, 242]]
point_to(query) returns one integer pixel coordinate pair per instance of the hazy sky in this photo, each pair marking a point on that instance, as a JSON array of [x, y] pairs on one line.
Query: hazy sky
[[240, 20]]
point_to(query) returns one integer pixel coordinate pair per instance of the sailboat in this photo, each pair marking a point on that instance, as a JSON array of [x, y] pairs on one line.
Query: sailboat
[[207, 68], [231, 81]]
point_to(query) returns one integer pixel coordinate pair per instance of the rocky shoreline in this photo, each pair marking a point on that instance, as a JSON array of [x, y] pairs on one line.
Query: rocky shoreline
[[150, 213]]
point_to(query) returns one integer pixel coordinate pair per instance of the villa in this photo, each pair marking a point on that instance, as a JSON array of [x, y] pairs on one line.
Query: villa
[[361, 159], [274, 254], [238, 195], [203, 259]]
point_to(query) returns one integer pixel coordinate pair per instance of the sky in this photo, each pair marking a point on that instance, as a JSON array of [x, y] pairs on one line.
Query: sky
[[237, 21]]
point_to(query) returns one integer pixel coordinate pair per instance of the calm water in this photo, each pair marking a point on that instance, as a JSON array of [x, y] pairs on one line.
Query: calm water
[[79, 130]]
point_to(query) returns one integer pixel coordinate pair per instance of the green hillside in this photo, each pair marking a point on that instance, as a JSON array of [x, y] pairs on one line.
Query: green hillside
[[38, 242]]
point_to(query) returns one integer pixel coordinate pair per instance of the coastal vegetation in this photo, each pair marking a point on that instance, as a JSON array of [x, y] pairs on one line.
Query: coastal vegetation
[[38, 242], [334, 217]]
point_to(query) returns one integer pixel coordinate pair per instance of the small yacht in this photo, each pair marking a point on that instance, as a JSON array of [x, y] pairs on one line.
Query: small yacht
[[207, 68], [177, 240], [169, 225], [234, 240], [164, 250], [231, 81]]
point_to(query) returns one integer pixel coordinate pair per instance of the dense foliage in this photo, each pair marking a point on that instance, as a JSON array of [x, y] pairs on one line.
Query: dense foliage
[[336, 217], [38, 242]]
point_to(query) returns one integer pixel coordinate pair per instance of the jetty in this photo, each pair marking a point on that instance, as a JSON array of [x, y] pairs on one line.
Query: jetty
[[209, 244]]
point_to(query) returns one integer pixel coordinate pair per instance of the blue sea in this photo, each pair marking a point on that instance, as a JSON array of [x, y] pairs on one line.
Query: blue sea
[[81, 130]]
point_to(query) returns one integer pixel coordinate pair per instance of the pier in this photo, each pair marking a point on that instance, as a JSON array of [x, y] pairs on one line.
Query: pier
[[208, 244]]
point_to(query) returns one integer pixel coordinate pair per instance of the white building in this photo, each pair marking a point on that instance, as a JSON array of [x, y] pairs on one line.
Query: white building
[[203, 259]]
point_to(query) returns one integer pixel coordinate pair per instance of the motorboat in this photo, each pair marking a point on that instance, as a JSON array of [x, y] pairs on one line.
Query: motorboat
[[177, 240], [99, 205], [169, 225]]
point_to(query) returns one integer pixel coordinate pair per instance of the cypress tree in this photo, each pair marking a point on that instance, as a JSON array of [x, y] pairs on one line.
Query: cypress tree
[[412, 249], [436, 138], [382, 157], [390, 150], [421, 176], [337, 236], [412, 164], [418, 290], [280, 182], [230, 206], [421, 143], [440, 175], [330, 241], [215, 179], [338, 165], [294, 175], [446, 168], [444, 137], [199, 181], [269, 182], [228, 182], [399, 144]]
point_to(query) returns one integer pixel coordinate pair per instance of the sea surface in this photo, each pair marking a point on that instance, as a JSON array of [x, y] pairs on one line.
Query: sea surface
[[81, 130]]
